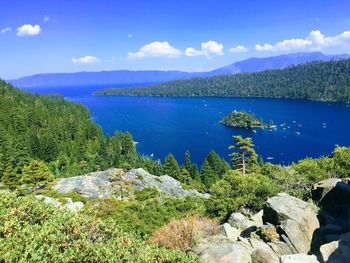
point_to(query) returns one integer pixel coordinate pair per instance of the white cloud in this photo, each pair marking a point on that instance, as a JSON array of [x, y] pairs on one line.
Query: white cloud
[[191, 52], [156, 49], [129, 35], [28, 30], [314, 41], [5, 30], [238, 49], [207, 49], [86, 60]]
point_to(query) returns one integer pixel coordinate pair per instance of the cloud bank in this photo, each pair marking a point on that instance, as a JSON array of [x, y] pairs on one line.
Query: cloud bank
[[314, 41]]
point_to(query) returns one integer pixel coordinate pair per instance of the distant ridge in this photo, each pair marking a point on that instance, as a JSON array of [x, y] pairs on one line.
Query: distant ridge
[[157, 76], [275, 62]]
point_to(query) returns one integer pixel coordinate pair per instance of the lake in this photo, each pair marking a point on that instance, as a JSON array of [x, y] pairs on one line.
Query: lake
[[163, 125]]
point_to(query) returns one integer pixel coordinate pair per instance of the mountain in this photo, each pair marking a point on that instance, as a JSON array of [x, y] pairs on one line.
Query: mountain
[[101, 78], [157, 76], [275, 62]]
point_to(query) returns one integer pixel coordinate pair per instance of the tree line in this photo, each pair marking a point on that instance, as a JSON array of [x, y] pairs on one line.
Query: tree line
[[323, 81]]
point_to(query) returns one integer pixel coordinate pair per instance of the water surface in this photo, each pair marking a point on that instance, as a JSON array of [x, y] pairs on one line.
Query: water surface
[[163, 125]]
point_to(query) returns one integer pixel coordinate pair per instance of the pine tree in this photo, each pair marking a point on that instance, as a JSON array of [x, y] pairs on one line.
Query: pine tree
[[219, 165], [171, 167], [244, 157], [208, 174], [188, 164], [36, 172]]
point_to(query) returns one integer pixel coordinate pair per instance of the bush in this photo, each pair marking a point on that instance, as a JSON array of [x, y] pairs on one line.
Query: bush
[[146, 193], [236, 190], [31, 231], [183, 234], [144, 217]]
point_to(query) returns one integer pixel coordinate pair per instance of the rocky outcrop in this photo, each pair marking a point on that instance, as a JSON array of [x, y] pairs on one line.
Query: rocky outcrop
[[295, 221], [68, 204], [114, 182], [282, 232]]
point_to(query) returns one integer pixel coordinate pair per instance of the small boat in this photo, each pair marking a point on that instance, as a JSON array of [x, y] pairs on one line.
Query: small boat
[[152, 155], [254, 131], [298, 133], [269, 158]]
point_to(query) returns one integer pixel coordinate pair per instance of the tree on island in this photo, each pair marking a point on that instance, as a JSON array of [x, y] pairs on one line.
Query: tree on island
[[244, 156]]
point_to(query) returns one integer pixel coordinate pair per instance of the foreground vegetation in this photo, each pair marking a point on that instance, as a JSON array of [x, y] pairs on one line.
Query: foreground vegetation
[[324, 81], [45, 137], [31, 231]]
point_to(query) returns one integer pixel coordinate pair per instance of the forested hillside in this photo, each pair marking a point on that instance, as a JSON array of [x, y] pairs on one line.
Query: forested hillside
[[56, 132], [324, 81]]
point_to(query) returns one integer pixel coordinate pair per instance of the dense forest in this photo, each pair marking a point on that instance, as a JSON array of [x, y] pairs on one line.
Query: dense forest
[[324, 81], [56, 132]]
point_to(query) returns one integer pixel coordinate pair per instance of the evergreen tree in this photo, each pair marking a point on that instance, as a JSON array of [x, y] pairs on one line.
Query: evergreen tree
[[171, 167], [244, 157], [188, 164], [208, 174], [219, 165], [36, 172]]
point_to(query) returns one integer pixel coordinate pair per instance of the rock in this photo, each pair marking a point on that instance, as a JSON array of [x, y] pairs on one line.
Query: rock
[[141, 179], [333, 195], [262, 256], [72, 206], [93, 185], [262, 252], [295, 218], [218, 249], [258, 218], [337, 251], [328, 249], [113, 181], [48, 200], [268, 233], [299, 258], [243, 223], [230, 232]]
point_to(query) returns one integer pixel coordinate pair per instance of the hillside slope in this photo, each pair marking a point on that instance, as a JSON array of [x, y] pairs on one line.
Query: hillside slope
[[325, 81]]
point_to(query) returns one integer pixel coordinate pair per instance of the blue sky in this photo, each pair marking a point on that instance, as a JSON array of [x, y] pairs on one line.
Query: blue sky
[[70, 35]]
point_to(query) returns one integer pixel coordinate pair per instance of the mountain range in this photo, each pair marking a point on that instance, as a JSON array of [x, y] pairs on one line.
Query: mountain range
[[156, 76]]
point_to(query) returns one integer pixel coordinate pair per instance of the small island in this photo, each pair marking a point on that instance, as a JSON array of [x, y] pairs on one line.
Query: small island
[[242, 119]]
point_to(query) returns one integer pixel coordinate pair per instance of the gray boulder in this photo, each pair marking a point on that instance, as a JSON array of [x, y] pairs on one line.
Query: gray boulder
[[113, 182], [69, 204], [93, 185], [299, 258], [295, 218], [141, 179], [229, 231]]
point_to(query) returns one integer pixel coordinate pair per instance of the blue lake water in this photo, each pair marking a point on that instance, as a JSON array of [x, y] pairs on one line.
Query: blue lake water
[[163, 125]]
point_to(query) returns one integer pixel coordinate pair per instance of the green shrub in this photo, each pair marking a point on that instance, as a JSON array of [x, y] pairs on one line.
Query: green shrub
[[236, 190], [31, 231], [144, 217], [146, 193]]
